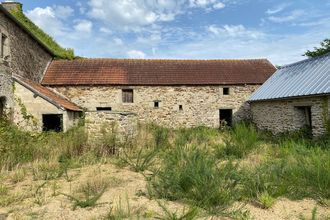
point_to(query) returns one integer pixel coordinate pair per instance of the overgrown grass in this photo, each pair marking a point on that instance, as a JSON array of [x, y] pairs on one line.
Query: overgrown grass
[[192, 174], [203, 167]]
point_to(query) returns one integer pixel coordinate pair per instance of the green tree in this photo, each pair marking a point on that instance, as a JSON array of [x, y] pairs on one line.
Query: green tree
[[318, 51]]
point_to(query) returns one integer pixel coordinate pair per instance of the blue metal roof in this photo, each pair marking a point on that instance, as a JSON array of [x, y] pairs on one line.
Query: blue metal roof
[[304, 78]]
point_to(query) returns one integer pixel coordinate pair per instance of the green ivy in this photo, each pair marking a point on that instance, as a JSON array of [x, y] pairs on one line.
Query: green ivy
[[59, 52]]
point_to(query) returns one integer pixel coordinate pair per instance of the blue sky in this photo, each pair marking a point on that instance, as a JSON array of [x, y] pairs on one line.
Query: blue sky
[[280, 30]]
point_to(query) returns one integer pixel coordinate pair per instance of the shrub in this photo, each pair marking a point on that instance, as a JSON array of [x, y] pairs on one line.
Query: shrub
[[191, 174], [241, 140]]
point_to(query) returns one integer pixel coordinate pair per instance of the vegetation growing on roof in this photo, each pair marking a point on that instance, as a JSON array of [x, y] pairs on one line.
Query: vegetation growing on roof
[[59, 52]]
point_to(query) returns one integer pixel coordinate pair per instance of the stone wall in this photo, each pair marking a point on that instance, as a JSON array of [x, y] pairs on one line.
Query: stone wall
[[29, 108], [280, 116], [6, 93], [200, 104], [124, 124], [26, 57]]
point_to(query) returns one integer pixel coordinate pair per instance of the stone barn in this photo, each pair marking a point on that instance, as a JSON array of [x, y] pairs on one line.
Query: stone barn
[[296, 96], [171, 93]]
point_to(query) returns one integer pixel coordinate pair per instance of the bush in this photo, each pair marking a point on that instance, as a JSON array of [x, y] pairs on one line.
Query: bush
[[191, 174]]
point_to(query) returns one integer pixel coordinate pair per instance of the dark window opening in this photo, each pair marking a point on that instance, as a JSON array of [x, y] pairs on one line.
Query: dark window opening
[[304, 114], [52, 122], [103, 109], [156, 104], [3, 46], [226, 117], [181, 107], [127, 95], [2, 106], [226, 91]]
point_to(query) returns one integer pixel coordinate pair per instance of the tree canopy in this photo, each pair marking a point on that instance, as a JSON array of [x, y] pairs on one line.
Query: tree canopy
[[318, 51]]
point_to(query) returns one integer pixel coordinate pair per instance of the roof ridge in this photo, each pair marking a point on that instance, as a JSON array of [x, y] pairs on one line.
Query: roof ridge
[[305, 60], [164, 60]]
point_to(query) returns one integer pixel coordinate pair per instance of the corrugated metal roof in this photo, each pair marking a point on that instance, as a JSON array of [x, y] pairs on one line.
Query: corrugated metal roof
[[304, 78]]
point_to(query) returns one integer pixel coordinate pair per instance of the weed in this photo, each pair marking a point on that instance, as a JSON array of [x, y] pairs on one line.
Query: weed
[[141, 160], [3, 190], [122, 211], [18, 175], [191, 214], [265, 200], [88, 193]]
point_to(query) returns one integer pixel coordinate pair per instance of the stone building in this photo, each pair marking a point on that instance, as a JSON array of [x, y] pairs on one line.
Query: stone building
[[23, 61], [39, 93], [296, 96], [171, 93]]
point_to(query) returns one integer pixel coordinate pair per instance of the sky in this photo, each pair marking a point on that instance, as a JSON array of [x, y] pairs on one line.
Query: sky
[[279, 30]]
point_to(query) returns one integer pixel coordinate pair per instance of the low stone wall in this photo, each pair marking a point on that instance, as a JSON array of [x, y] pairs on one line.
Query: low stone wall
[[279, 116], [125, 124]]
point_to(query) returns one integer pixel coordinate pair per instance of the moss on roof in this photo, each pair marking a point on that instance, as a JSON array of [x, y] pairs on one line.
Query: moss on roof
[[59, 52]]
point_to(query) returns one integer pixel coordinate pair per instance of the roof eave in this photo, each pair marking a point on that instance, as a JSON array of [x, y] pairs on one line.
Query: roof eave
[[43, 96], [289, 97]]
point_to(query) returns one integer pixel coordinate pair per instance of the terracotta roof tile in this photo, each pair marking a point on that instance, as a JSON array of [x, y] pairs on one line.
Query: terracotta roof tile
[[47, 94], [157, 72]]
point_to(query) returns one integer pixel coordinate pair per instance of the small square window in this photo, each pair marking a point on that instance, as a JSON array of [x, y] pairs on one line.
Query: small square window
[[225, 91], [181, 107], [127, 95], [156, 104]]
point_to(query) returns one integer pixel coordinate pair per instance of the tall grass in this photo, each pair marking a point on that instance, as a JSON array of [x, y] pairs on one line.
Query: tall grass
[[18, 147], [241, 140], [191, 174]]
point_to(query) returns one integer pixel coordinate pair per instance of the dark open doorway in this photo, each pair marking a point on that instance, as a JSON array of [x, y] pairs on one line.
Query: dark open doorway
[[2, 106], [226, 117], [304, 115], [52, 122]]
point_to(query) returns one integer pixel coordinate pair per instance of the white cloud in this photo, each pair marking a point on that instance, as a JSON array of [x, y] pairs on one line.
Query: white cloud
[[208, 4], [219, 5], [105, 30], [277, 9], [134, 13], [234, 31], [83, 26], [136, 54], [49, 18], [138, 13], [293, 15]]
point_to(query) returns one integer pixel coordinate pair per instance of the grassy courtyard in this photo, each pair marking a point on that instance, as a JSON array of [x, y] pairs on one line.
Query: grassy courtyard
[[160, 173]]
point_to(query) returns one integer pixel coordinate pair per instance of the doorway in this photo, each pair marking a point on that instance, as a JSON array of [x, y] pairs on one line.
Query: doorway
[[52, 122], [2, 107], [226, 117], [304, 116]]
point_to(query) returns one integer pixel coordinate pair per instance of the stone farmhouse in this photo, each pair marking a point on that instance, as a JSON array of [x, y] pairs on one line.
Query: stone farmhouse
[[296, 96], [40, 93]]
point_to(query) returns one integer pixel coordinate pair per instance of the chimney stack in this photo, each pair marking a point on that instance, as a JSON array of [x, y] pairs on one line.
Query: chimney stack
[[12, 6]]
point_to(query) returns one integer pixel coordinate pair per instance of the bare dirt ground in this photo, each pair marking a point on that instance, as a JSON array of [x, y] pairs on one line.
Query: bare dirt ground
[[126, 194]]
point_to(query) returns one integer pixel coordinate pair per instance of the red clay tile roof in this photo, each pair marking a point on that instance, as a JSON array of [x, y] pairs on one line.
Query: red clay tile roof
[[47, 94], [157, 72]]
